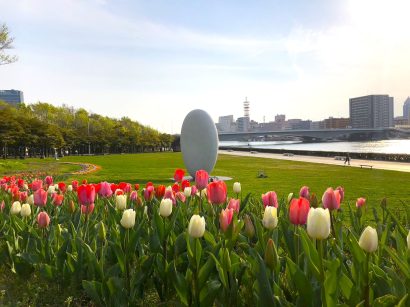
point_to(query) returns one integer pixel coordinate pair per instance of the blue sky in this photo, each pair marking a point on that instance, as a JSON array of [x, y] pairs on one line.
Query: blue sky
[[154, 61]]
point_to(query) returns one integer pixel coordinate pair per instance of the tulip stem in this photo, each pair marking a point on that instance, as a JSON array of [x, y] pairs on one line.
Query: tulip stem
[[366, 279], [332, 223], [165, 262], [322, 272], [127, 270]]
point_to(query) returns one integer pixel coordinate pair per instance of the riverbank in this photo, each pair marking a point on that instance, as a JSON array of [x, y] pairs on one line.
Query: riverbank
[[363, 163]]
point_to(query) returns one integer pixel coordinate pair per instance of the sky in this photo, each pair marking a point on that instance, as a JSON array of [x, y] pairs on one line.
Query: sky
[[154, 61]]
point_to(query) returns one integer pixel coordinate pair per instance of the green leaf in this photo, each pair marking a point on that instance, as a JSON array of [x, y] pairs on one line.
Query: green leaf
[[180, 286], [332, 281], [223, 276], [311, 253], [385, 300], [245, 202], [346, 286], [264, 288], [403, 301], [198, 252], [301, 282], [94, 291], [120, 255], [209, 292], [205, 271], [400, 263]]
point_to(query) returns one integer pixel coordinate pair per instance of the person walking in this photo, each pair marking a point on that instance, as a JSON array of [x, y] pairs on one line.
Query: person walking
[[347, 159]]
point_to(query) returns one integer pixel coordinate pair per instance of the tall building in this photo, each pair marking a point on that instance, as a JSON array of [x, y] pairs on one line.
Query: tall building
[[372, 111], [12, 97], [243, 124], [406, 108], [225, 123]]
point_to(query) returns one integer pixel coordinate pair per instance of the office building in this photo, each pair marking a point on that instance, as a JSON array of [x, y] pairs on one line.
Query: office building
[[336, 123], [372, 111], [225, 123], [406, 108], [12, 97], [243, 124]]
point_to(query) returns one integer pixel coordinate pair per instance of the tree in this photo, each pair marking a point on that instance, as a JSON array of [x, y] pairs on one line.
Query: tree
[[6, 43]]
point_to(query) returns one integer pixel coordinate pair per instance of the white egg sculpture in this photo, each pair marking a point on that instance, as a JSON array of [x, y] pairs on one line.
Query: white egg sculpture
[[199, 142]]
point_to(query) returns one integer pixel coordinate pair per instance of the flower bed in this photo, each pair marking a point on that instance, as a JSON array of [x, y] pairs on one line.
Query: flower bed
[[201, 245]]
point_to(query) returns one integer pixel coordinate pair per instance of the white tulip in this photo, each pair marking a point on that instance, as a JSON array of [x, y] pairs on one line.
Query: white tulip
[[30, 200], [369, 240], [318, 223], [187, 191], [196, 228], [204, 193], [25, 186], [56, 186], [51, 189], [121, 202], [165, 207], [237, 187], [25, 210], [69, 188], [15, 208], [270, 217], [128, 218]]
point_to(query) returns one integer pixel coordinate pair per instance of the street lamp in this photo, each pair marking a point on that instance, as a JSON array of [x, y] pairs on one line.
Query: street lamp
[[89, 143]]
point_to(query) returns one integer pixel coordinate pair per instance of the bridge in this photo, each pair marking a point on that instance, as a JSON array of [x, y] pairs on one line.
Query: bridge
[[317, 135]]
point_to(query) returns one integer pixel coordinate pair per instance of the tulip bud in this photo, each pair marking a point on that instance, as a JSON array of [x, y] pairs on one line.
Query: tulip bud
[[225, 219], [318, 223], [71, 206], [271, 255], [25, 210], [69, 188], [249, 228], [121, 202], [187, 191], [369, 240], [313, 200], [128, 218], [408, 240], [237, 187], [234, 204], [146, 211], [165, 207], [102, 232], [196, 228], [43, 219], [304, 192], [30, 200], [360, 202], [270, 217], [290, 197], [15, 208]]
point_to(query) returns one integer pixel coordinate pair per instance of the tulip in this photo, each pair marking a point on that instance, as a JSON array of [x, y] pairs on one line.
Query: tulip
[[368, 240], [341, 193], [51, 189], [169, 194], [62, 187], [194, 190], [201, 179], [43, 220], [331, 199], [249, 228], [304, 192], [271, 255], [176, 187], [204, 193], [270, 217], [36, 184], [180, 196], [128, 219], [179, 175], [74, 184], [118, 192], [23, 196], [49, 180], [105, 190], [298, 211], [196, 228], [126, 187], [57, 199], [237, 187], [137, 187], [121, 202], [408, 240], [134, 196], [87, 209], [40, 198], [184, 184], [71, 206], [234, 204], [165, 207], [159, 191], [270, 199], [56, 188], [225, 219], [216, 192], [102, 232], [30, 200], [149, 193], [360, 202], [20, 183], [187, 191], [86, 194], [15, 208], [25, 210], [2, 205], [318, 223], [69, 188]]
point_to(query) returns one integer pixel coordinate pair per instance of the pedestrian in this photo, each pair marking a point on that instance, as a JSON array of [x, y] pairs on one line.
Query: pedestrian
[[347, 159]]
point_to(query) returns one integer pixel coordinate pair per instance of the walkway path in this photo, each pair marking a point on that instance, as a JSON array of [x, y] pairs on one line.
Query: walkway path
[[392, 166]]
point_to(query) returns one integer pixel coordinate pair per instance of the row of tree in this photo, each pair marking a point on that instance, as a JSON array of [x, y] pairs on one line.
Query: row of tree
[[42, 129]]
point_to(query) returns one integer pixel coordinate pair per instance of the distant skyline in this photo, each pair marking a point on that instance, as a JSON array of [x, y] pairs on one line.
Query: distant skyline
[[154, 61]]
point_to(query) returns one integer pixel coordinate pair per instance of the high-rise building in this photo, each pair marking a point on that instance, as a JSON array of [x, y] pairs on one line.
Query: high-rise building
[[12, 97], [406, 108], [243, 124], [372, 111], [225, 123]]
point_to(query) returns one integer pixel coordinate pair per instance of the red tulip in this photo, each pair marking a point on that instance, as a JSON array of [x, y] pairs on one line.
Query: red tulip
[[225, 219], [43, 220], [137, 187], [331, 199], [40, 198], [149, 183], [360, 202], [179, 175], [15, 192], [159, 191], [216, 192], [126, 187], [20, 183], [234, 204], [270, 199], [105, 189], [175, 187], [23, 196], [84, 181], [298, 211], [184, 184], [62, 187], [304, 192], [75, 185], [201, 179], [36, 184], [113, 187], [57, 199], [87, 209], [49, 180], [86, 194]]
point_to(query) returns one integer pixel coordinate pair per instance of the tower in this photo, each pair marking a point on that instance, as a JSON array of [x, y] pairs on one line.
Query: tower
[[246, 108]]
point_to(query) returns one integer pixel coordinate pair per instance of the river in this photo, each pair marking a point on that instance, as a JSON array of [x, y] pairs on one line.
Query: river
[[383, 146]]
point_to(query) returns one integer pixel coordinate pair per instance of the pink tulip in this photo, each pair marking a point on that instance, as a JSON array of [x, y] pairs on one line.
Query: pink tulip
[[40, 198], [169, 194], [43, 220], [331, 199], [360, 202], [201, 179], [87, 209], [134, 196], [304, 192], [298, 211], [49, 180], [36, 184], [270, 199], [23, 196], [216, 192], [105, 190], [225, 219], [180, 196], [234, 204], [194, 190], [341, 192], [149, 193]]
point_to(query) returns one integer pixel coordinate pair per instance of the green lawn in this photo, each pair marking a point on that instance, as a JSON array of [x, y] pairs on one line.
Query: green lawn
[[283, 176]]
